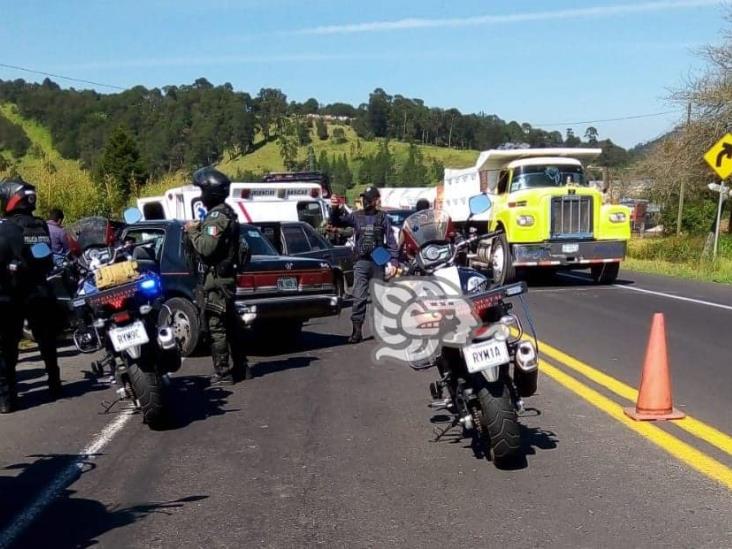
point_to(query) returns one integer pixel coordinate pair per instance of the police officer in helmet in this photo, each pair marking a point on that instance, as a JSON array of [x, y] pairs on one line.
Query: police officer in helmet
[[11, 309], [39, 304], [372, 229], [220, 251]]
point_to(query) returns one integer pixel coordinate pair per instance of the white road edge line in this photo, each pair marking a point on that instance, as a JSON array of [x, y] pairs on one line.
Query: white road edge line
[[67, 476], [679, 297], [653, 292]]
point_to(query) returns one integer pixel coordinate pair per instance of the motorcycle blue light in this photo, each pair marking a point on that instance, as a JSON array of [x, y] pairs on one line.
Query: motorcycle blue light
[[150, 286]]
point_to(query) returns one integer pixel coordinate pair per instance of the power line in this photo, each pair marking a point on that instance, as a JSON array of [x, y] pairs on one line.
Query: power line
[[72, 79], [634, 117]]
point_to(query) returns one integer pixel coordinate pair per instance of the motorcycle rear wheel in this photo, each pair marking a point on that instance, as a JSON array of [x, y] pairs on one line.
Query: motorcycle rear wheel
[[500, 422], [147, 389]]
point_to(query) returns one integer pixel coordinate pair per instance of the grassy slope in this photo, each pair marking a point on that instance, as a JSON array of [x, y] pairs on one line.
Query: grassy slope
[[267, 157], [668, 260], [60, 182]]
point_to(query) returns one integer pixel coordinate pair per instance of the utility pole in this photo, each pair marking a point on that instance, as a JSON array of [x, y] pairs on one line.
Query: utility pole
[[681, 191]]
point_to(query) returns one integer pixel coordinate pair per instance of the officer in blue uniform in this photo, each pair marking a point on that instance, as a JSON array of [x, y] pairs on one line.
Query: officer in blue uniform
[[372, 229]]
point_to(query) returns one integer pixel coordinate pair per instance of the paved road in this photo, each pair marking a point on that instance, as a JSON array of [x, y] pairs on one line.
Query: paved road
[[326, 448]]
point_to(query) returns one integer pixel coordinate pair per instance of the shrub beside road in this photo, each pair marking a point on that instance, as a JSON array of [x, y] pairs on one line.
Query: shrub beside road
[[681, 257]]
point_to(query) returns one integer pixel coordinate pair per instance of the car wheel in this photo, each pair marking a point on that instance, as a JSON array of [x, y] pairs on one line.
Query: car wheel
[[184, 320]]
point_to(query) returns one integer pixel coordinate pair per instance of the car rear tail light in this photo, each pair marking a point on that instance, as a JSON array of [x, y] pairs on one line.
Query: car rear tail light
[[316, 277], [245, 282]]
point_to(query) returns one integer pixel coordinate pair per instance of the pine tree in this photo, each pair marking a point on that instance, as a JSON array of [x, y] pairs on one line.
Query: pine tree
[[321, 128], [120, 163]]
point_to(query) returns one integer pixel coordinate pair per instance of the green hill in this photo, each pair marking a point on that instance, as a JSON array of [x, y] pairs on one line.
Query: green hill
[[266, 157], [65, 183], [60, 182]]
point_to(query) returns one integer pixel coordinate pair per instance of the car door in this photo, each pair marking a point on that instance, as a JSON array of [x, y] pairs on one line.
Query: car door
[[337, 256], [297, 243]]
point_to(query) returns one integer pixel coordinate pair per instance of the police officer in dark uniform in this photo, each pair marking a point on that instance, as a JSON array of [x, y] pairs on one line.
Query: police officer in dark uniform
[[11, 310], [39, 303], [372, 229], [220, 249]]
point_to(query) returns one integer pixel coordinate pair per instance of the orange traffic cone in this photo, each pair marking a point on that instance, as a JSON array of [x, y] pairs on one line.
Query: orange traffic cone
[[654, 396]]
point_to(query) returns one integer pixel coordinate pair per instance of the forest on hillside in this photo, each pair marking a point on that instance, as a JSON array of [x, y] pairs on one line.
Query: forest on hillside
[[182, 127]]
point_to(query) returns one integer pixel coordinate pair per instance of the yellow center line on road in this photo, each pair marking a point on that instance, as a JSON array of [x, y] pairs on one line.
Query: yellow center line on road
[[696, 459], [693, 426]]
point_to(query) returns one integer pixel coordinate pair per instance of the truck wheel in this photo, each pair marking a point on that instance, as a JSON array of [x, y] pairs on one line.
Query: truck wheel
[[606, 273], [502, 261], [184, 322]]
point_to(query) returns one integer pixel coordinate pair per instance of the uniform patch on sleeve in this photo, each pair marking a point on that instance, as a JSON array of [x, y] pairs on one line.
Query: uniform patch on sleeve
[[213, 230], [213, 215]]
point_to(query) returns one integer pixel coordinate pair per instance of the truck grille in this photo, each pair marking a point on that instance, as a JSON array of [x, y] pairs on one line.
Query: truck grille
[[571, 217]]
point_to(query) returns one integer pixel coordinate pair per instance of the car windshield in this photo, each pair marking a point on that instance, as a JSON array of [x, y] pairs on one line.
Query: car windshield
[[532, 177], [397, 217], [258, 244], [427, 226]]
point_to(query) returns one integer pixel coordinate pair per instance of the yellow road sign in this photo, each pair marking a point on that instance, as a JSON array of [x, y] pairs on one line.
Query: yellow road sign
[[719, 157]]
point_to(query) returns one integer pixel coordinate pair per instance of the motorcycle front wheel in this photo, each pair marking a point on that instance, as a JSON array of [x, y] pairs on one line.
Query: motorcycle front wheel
[[499, 422], [147, 389]]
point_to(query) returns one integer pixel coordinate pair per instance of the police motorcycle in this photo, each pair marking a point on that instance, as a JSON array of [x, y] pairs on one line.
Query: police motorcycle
[[117, 305], [483, 378]]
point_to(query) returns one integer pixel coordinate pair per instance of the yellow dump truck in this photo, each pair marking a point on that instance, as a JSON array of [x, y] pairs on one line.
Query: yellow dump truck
[[549, 215]]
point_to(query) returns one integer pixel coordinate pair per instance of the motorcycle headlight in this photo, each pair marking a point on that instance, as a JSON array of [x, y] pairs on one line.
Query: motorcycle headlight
[[618, 217], [435, 253], [525, 220]]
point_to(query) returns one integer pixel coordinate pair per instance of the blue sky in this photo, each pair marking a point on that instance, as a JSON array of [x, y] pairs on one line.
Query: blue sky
[[530, 61]]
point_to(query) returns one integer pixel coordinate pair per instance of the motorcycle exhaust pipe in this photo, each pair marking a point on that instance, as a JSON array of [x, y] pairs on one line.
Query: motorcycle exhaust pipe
[[166, 339], [526, 358]]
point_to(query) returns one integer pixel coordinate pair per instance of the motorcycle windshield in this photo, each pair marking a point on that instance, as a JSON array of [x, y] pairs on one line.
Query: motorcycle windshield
[[92, 231], [427, 226]]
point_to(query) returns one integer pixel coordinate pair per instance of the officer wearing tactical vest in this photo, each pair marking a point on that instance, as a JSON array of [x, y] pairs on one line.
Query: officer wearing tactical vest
[[38, 301], [11, 310], [372, 229], [220, 250]]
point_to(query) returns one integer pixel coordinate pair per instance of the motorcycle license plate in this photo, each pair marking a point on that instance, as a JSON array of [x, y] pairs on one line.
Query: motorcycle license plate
[[288, 283], [128, 336], [484, 355]]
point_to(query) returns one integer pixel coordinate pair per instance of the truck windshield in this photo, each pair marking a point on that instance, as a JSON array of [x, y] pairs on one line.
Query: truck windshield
[[532, 177]]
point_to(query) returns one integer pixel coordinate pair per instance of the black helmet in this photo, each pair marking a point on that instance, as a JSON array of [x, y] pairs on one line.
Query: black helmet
[[422, 204], [214, 186], [17, 197]]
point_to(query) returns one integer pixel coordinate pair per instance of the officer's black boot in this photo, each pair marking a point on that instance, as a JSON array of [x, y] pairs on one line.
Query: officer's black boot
[[222, 375], [55, 389], [6, 404], [357, 335], [7, 400], [242, 371]]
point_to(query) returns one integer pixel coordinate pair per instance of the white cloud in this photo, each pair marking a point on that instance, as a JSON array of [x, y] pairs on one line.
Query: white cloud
[[478, 20], [223, 60]]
